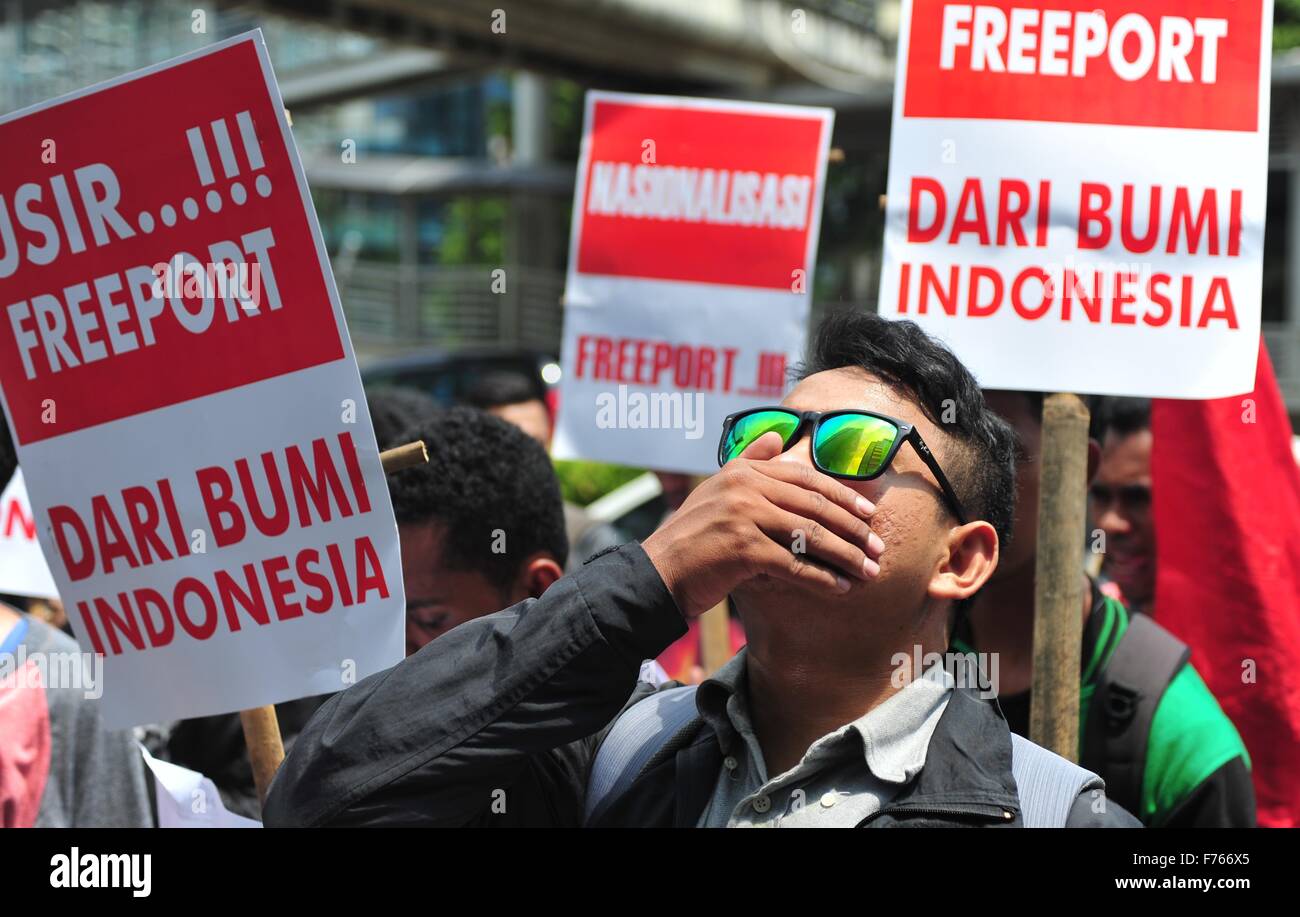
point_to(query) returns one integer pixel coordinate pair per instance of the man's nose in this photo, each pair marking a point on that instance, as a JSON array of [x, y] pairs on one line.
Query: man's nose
[[801, 451], [1113, 522]]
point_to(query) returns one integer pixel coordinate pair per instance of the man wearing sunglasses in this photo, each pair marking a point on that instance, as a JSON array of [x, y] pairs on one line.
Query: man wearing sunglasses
[[847, 525]]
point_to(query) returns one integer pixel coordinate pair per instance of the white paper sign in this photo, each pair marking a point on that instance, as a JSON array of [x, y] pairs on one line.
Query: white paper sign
[[690, 272], [23, 570], [187, 799], [1076, 196], [184, 397]]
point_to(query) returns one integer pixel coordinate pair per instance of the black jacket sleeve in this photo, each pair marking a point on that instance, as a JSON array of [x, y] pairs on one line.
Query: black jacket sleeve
[[495, 722], [1225, 799]]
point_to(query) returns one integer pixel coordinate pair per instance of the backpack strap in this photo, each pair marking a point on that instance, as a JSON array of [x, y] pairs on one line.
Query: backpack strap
[[1047, 784], [1124, 702], [644, 729]]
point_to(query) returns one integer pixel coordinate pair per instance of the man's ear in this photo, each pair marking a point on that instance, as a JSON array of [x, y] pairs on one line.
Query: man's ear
[[1094, 458], [540, 571], [972, 557]]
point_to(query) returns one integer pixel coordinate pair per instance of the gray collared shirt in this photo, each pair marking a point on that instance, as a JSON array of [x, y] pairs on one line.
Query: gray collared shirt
[[844, 776]]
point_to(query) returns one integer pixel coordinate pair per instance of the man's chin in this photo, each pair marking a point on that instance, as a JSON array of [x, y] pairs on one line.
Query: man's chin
[[1134, 577]]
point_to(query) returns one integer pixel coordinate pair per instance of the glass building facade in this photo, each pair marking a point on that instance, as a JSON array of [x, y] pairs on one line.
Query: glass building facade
[[432, 169]]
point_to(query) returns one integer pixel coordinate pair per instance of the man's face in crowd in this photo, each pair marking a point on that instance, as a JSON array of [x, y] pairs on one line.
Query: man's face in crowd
[[910, 517], [1120, 503], [529, 416], [439, 597]]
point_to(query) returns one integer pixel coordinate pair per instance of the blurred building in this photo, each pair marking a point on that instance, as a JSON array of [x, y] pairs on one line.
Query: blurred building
[[440, 138]]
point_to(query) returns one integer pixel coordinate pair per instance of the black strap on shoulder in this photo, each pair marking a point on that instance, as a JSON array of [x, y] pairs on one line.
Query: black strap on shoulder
[[640, 734], [1124, 703]]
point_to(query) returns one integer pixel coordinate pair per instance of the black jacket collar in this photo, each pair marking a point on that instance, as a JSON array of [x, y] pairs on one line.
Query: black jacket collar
[[966, 779]]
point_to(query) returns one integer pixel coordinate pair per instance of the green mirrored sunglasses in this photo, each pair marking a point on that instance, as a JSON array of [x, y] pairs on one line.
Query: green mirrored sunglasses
[[851, 445]]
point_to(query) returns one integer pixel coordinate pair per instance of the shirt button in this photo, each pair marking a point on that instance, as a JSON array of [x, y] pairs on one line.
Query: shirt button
[[829, 799], [762, 804], [730, 763]]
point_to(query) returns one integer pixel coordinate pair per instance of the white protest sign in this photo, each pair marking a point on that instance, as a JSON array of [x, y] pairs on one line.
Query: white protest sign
[[183, 394], [690, 272], [187, 799], [23, 570], [1076, 194]]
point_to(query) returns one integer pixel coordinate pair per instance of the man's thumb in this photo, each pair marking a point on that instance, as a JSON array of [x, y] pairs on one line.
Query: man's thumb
[[765, 447]]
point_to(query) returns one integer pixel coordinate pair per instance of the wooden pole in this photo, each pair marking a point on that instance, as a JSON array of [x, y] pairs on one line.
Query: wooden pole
[[261, 728], [407, 456], [715, 638], [1058, 577], [265, 747]]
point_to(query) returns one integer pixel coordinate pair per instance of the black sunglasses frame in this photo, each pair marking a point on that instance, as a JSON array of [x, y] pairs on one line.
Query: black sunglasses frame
[[906, 433]]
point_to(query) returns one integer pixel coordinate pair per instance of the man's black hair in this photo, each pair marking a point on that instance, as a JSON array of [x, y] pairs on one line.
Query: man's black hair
[[393, 409], [1033, 402], [980, 461], [484, 475], [497, 389], [1121, 416]]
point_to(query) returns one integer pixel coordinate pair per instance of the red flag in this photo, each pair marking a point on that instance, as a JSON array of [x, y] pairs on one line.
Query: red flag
[[1226, 497]]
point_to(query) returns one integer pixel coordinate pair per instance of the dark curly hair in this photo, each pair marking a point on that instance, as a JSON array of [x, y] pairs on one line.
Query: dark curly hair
[[483, 475], [980, 461], [393, 409]]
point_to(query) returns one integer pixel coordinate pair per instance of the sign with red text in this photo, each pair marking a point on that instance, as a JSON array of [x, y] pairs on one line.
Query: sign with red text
[[1076, 193], [183, 394], [690, 272], [23, 570]]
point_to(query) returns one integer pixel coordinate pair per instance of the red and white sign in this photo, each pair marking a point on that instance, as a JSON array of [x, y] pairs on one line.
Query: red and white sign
[[183, 394], [690, 272], [23, 570], [1076, 194]]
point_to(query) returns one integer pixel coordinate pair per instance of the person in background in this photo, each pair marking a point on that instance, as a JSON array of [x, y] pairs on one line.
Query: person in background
[[1119, 499], [481, 525], [515, 400], [393, 409], [1155, 734], [59, 766]]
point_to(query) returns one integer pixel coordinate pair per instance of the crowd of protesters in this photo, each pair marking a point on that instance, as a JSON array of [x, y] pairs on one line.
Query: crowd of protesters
[[542, 688]]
